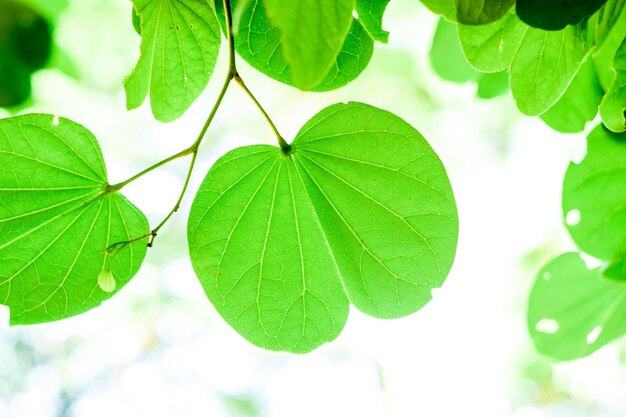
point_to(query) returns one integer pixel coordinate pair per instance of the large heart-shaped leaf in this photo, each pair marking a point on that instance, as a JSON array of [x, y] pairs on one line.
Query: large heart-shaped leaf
[[594, 196], [57, 220], [258, 41], [573, 310], [360, 210], [180, 41]]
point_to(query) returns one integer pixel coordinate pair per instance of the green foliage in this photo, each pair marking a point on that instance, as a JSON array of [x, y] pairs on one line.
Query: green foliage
[[360, 209], [371, 17], [259, 43], [613, 108], [470, 12], [556, 14], [312, 33], [573, 310], [25, 47], [179, 47], [56, 221]]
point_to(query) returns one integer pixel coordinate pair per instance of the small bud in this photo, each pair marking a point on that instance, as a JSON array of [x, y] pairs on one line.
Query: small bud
[[106, 281]]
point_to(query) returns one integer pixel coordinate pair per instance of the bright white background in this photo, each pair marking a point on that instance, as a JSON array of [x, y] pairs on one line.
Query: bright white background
[[159, 348]]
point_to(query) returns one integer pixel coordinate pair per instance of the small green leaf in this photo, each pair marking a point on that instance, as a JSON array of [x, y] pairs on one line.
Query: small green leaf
[[492, 85], [56, 221], [360, 210], [136, 20], [446, 55], [371, 17], [312, 35], [573, 310], [556, 14], [481, 12], [179, 47], [604, 55], [491, 48], [544, 65], [579, 104], [613, 107], [594, 196], [258, 42]]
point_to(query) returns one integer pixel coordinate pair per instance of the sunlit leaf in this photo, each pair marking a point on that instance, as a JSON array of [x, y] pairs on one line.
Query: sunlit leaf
[[371, 17], [360, 211], [179, 47], [613, 107], [492, 84], [556, 14], [56, 222], [594, 196], [312, 33], [573, 310], [579, 104]]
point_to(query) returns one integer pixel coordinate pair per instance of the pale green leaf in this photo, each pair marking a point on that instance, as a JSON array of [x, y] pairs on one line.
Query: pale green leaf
[[573, 310], [594, 196], [360, 210], [556, 14], [579, 104], [446, 55], [492, 84], [179, 47], [312, 33], [258, 42], [613, 107], [544, 65], [491, 48], [371, 16], [56, 221]]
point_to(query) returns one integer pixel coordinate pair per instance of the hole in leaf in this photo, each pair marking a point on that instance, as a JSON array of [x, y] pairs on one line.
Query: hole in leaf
[[594, 334], [548, 326], [572, 218]]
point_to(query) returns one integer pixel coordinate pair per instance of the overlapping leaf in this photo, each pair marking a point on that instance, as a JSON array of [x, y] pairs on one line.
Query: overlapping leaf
[[312, 33], [359, 211], [613, 107], [470, 12], [258, 41], [556, 14], [180, 41], [573, 310], [56, 221]]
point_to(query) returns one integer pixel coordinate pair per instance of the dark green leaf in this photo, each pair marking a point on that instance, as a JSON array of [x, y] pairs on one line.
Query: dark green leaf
[[608, 17], [56, 221], [613, 107], [481, 12], [556, 14], [258, 42], [360, 211], [579, 104], [573, 310], [594, 196], [179, 47], [371, 17], [312, 33]]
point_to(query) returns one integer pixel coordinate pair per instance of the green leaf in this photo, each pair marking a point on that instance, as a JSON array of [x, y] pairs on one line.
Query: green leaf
[[470, 12], [360, 210], [258, 42], [613, 107], [544, 65], [481, 12], [312, 35], [491, 48], [446, 55], [604, 55], [136, 21], [579, 104], [594, 196], [56, 221], [492, 85], [371, 17], [573, 310], [179, 47], [608, 17], [556, 14]]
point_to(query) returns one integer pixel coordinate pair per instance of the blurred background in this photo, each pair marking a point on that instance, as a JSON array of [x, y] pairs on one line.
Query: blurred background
[[160, 349]]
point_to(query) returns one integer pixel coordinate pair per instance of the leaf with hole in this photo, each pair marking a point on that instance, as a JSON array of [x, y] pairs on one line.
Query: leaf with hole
[[613, 107], [180, 43], [556, 14], [258, 42], [594, 196], [56, 221], [573, 310], [359, 211], [312, 33]]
